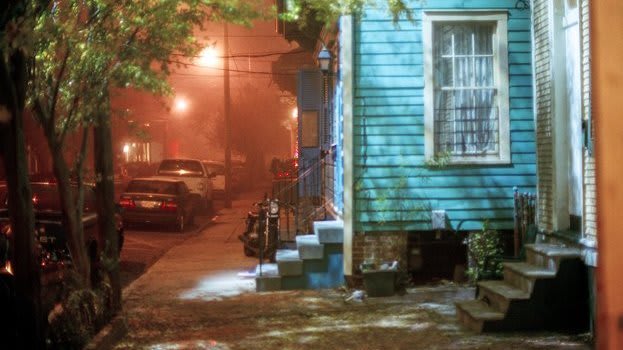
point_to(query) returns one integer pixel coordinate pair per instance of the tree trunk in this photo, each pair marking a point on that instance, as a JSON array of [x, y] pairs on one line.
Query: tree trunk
[[105, 192], [13, 78], [73, 223]]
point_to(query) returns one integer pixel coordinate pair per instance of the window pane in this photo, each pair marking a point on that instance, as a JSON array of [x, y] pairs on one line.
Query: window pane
[[443, 39], [484, 71], [483, 38], [464, 72], [148, 186], [463, 39], [444, 120], [443, 72]]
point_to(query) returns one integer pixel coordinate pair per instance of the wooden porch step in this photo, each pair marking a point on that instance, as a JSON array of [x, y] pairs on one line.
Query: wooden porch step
[[505, 290], [500, 294], [474, 314]]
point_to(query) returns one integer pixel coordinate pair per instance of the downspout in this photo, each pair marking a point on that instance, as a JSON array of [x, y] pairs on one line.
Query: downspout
[[346, 60]]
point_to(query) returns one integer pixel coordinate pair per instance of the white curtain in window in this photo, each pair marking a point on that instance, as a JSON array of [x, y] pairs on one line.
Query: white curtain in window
[[466, 115]]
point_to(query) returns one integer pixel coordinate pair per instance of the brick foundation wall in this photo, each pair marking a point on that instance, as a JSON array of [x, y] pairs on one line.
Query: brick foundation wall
[[379, 247]]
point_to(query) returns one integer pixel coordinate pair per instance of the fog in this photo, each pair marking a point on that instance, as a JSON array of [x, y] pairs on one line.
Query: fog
[[190, 123]]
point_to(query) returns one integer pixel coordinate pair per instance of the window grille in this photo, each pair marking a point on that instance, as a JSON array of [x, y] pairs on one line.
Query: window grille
[[466, 111]]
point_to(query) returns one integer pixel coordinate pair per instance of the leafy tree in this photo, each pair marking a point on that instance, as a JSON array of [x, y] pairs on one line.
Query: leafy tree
[[15, 33], [61, 58], [329, 11]]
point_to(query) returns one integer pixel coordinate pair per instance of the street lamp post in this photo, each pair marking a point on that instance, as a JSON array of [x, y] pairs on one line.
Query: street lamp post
[[324, 62], [227, 116]]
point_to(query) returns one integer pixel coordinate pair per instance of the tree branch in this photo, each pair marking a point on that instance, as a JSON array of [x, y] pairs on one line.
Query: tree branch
[[57, 86], [69, 117], [78, 169]]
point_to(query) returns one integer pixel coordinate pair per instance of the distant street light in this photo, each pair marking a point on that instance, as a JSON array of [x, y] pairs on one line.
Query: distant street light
[[180, 104]]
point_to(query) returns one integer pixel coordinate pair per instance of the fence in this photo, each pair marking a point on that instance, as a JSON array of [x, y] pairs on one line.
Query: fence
[[524, 217], [303, 199]]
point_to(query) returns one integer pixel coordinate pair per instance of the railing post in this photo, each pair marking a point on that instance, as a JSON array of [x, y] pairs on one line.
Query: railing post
[[516, 221]]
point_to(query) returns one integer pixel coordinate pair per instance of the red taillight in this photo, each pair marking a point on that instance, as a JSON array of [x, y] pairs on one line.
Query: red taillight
[[127, 203], [168, 206]]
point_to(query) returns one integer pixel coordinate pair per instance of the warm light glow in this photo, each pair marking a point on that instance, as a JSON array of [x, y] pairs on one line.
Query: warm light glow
[[180, 104], [126, 148], [225, 284], [295, 113], [208, 57]]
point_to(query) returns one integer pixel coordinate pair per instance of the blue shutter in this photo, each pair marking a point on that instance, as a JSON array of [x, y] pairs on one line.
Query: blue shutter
[[309, 99]]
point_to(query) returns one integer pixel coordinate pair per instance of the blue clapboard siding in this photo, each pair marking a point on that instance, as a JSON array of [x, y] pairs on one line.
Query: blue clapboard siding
[[394, 189]]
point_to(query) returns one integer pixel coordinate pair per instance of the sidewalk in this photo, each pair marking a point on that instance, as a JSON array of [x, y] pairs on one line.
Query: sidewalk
[[193, 298]]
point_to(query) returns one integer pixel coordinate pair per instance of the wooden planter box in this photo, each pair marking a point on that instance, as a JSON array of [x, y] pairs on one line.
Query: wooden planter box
[[379, 283]]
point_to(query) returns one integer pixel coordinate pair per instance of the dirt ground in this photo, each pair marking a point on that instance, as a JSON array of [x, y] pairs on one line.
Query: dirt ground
[[424, 318], [200, 295]]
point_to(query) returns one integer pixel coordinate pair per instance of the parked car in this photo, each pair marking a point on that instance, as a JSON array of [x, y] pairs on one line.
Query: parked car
[[217, 170], [49, 227], [240, 177], [193, 173], [158, 200]]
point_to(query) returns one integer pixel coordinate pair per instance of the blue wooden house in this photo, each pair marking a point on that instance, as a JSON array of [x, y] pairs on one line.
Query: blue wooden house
[[431, 127], [437, 121]]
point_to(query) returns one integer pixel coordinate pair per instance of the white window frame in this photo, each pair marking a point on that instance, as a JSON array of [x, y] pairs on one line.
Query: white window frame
[[500, 78]]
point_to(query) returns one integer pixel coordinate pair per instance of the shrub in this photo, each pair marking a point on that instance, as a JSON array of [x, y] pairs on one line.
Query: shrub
[[484, 248]]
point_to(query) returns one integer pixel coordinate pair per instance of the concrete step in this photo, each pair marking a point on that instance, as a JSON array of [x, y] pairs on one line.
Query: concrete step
[[289, 262], [500, 294], [329, 231], [269, 279], [550, 255], [523, 275], [309, 247], [474, 314]]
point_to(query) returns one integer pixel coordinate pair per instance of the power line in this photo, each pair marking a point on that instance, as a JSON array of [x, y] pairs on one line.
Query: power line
[[254, 55], [235, 71], [227, 70]]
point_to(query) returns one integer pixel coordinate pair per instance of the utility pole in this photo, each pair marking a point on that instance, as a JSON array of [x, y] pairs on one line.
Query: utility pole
[[227, 116]]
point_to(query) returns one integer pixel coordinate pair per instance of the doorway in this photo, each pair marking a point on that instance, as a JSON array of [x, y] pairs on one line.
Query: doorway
[[568, 115]]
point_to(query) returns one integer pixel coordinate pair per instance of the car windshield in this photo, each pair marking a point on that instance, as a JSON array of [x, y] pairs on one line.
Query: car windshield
[[183, 167], [151, 186]]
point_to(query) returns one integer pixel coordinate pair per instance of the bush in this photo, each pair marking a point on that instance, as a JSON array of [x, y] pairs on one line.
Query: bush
[[484, 248], [78, 317]]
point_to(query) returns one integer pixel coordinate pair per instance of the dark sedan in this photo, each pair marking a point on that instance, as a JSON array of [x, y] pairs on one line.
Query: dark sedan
[[49, 228], [158, 200]]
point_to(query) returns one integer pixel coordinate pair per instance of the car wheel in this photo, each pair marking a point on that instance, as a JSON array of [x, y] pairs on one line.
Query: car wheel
[[181, 224]]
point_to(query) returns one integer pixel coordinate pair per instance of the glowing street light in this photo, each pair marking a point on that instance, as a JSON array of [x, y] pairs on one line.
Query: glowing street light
[[180, 104], [208, 57]]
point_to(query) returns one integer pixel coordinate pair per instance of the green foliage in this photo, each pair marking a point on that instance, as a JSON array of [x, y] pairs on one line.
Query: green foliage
[[409, 207], [73, 322], [484, 247], [78, 315], [329, 11], [439, 160]]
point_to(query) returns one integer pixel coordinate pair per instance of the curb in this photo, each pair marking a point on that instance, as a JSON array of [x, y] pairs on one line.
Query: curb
[[110, 335]]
